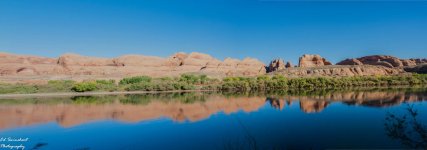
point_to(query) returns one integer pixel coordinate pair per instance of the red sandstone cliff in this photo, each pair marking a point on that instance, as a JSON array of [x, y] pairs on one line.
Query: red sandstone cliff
[[77, 67], [34, 69]]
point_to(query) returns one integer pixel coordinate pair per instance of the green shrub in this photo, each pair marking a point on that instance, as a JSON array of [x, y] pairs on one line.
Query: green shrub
[[163, 86], [17, 89], [84, 86], [65, 83], [106, 85], [106, 82], [56, 86], [165, 79], [133, 80], [211, 87], [263, 78], [143, 86], [203, 79], [277, 82], [189, 78], [183, 86]]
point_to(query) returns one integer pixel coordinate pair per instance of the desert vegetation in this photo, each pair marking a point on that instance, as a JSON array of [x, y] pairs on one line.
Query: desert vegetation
[[266, 83], [202, 82]]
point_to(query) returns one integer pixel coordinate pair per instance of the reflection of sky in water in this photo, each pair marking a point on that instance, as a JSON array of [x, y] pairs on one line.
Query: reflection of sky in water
[[338, 126]]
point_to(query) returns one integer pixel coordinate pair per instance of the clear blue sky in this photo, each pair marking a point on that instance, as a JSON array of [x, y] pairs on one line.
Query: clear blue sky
[[264, 29]]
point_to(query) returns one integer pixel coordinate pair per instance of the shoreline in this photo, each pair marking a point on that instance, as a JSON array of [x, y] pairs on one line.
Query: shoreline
[[97, 93], [3, 96], [194, 83]]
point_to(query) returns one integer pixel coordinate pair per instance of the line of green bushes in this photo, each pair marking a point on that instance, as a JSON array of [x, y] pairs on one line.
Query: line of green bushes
[[263, 83], [184, 82], [202, 82]]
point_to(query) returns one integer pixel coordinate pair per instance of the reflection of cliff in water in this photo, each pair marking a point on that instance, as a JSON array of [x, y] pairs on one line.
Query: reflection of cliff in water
[[71, 111], [126, 108], [316, 102]]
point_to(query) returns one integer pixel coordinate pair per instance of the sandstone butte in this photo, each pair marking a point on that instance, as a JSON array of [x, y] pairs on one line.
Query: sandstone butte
[[68, 114], [35, 69]]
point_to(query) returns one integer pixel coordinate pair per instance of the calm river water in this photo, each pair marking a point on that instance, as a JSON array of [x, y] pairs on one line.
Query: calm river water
[[358, 118]]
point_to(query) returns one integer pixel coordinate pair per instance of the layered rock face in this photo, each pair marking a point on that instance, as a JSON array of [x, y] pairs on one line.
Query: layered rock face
[[26, 65], [307, 60], [229, 67], [34, 69], [350, 61], [82, 67], [383, 60], [422, 68], [334, 70]]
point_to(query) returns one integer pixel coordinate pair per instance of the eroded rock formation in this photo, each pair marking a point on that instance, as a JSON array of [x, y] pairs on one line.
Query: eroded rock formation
[[382, 60], [350, 61], [307, 60], [34, 69], [288, 64], [336, 70], [73, 66], [422, 68], [276, 64], [234, 67]]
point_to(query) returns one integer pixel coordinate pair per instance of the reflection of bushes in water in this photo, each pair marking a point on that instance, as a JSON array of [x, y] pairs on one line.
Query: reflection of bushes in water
[[183, 97], [237, 94], [324, 91], [297, 92], [315, 92], [93, 99], [134, 99], [35, 100], [189, 98], [407, 128]]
